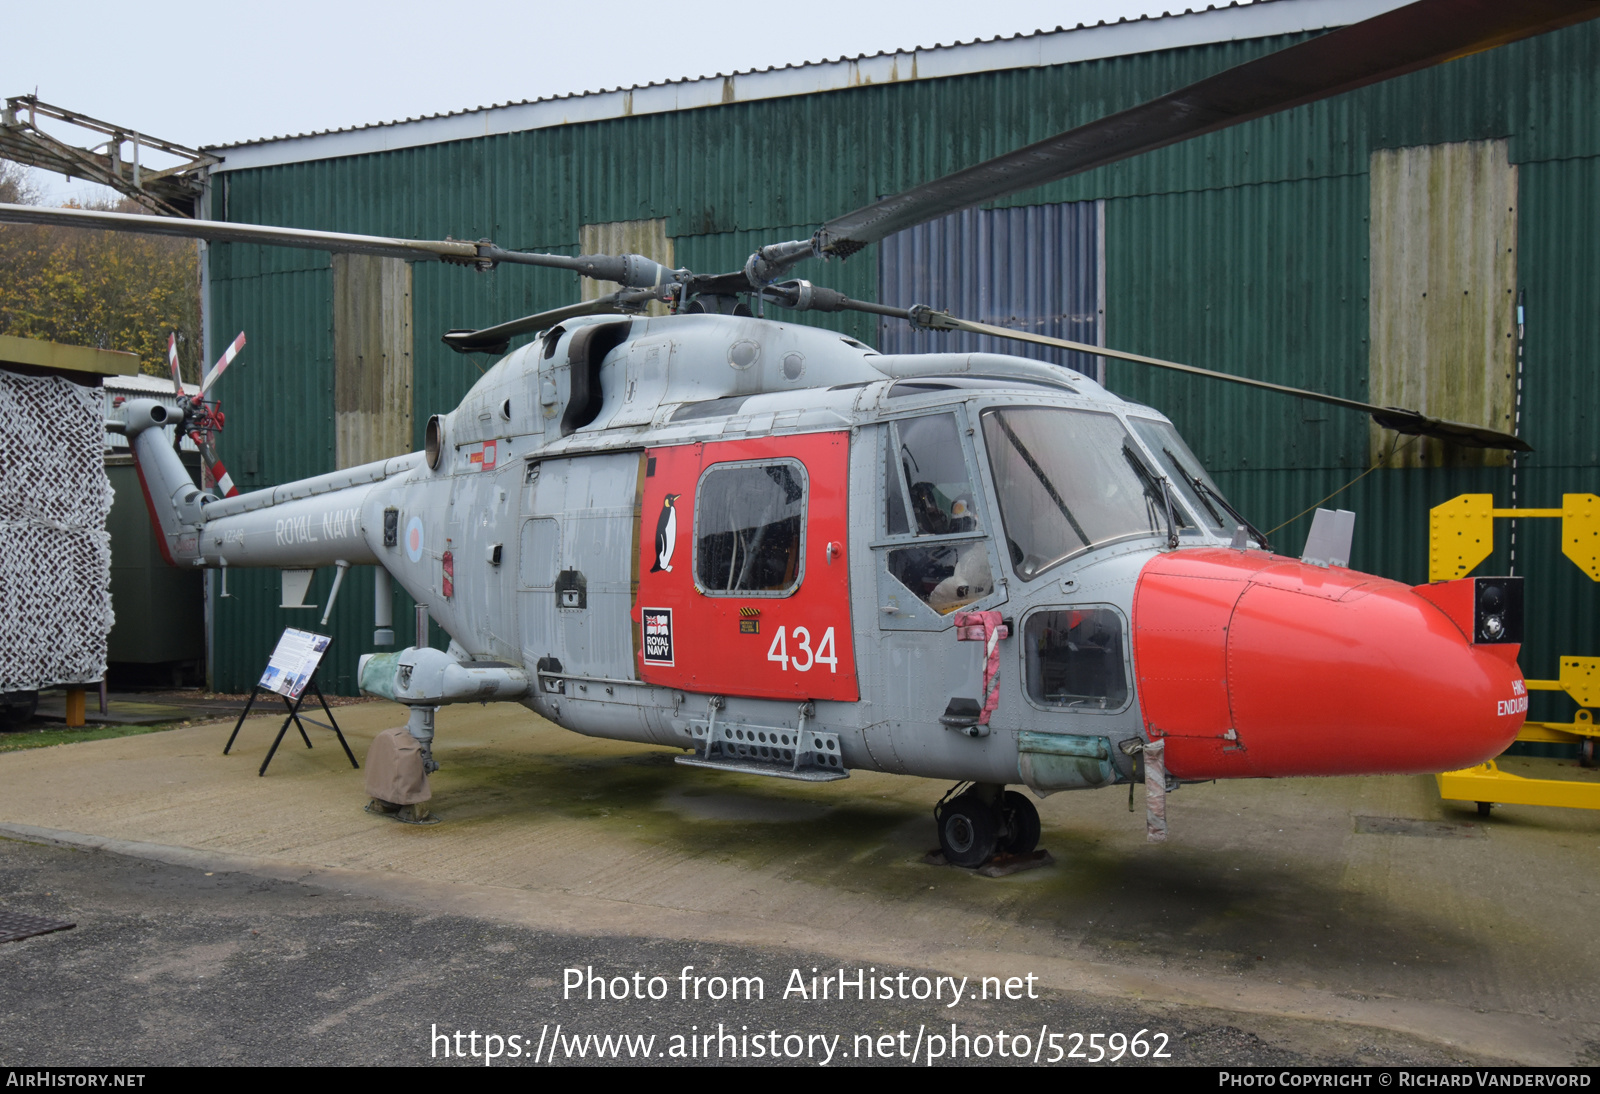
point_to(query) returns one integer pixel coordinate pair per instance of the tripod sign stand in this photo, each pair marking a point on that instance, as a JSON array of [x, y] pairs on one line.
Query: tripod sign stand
[[291, 673]]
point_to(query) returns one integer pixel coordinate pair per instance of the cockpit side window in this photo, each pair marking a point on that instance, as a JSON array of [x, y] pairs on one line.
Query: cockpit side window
[[928, 496], [944, 576], [926, 475]]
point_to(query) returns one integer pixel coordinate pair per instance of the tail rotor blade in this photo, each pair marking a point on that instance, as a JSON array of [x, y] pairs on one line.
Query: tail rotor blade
[[172, 359], [219, 474], [222, 363], [203, 443]]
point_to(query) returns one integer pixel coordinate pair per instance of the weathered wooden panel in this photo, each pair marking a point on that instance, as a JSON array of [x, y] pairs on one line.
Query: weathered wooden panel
[[371, 358], [1443, 233], [622, 237]]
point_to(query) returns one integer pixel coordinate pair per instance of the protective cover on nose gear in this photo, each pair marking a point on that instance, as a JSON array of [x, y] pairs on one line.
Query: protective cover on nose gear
[[394, 769]]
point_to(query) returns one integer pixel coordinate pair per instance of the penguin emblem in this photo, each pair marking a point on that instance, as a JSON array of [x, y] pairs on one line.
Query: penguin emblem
[[666, 534]]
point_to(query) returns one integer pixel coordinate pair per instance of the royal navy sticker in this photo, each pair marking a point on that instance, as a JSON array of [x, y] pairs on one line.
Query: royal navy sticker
[[657, 635]]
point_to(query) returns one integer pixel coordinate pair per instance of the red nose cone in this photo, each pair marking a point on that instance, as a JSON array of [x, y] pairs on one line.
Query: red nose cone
[[1256, 665]]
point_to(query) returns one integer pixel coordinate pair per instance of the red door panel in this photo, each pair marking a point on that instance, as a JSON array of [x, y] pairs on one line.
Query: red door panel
[[773, 647]]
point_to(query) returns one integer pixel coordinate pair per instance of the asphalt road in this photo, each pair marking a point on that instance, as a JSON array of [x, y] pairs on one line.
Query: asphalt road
[[172, 965]]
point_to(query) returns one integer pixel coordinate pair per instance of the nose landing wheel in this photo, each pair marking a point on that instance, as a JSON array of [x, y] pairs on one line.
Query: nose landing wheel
[[984, 820], [969, 829], [1021, 823]]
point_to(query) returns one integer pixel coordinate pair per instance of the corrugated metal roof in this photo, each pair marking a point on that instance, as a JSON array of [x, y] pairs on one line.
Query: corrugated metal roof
[[143, 382], [1215, 23]]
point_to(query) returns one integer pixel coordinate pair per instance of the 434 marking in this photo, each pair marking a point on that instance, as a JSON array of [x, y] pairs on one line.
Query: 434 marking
[[804, 658]]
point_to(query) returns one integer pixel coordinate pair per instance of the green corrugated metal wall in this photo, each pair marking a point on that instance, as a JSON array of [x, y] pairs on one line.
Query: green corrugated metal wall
[[1244, 250]]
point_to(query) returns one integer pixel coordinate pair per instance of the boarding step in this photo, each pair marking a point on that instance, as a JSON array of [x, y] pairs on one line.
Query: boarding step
[[809, 755]]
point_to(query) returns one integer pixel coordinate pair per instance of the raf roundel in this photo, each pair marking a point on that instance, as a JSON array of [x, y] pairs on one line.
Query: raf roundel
[[414, 539]]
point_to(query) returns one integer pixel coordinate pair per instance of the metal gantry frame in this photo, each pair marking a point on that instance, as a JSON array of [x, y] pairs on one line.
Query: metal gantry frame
[[174, 191], [1460, 536]]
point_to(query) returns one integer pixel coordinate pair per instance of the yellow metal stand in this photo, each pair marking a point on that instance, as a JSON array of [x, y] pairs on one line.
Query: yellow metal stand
[[1580, 678], [1460, 536], [1487, 783], [1461, 533]]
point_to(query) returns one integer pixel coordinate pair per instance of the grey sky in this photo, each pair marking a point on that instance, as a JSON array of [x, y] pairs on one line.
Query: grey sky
[[240, 71]]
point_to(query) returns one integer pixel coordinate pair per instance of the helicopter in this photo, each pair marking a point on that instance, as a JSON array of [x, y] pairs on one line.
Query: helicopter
[[786, 554]]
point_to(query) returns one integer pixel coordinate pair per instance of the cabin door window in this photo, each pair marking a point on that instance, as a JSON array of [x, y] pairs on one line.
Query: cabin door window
[[750, 529]]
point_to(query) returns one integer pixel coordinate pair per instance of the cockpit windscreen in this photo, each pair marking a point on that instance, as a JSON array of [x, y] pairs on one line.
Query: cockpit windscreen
[[1187, 475], [1070, 480]]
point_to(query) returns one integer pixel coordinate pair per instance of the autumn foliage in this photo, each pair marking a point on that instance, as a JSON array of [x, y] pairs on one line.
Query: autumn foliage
[[107, 290]]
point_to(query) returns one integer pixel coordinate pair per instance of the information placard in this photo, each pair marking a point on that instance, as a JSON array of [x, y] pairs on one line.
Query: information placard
[[293, 662]]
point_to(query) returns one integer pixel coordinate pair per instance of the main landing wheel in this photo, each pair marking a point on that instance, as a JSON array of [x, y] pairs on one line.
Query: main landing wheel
[[1586, 757], [969, 830], [1021, 822]]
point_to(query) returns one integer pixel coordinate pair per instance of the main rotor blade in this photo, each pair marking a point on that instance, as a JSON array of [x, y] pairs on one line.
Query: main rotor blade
[[1397, 42], [633, 271], [1389, 417], [804, 296], [220, 231]]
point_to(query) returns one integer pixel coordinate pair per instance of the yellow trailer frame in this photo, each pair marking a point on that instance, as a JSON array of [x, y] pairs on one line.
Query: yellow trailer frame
[[1487, 785], [1460, 536]]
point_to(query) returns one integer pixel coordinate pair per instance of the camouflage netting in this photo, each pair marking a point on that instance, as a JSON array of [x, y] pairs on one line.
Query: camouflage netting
[[55, 555]]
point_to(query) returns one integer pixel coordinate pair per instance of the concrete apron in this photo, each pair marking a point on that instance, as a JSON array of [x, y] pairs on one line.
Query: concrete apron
[[1315, 906]]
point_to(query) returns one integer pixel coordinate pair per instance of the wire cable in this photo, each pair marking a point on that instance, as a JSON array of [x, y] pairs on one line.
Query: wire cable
[[1393, 449]]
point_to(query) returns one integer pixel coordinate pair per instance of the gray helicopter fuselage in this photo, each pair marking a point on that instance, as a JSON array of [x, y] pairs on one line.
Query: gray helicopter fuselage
[[642, 517]]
